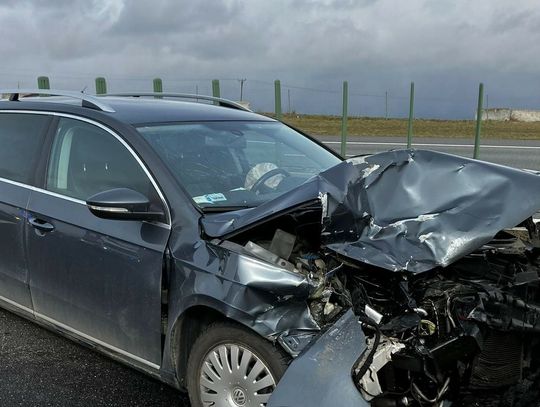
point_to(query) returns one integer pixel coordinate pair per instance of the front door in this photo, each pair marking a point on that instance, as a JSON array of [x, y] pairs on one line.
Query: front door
[[98, 278]]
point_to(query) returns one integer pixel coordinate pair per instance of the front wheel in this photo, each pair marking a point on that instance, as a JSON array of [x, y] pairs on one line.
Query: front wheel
[[230, 366]]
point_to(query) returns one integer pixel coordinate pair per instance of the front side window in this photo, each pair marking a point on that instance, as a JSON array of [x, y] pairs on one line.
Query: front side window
[[237, 164], [86, 159], [20, 143]]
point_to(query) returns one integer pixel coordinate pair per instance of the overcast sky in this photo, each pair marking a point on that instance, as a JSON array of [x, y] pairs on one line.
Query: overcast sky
[[445, 47]]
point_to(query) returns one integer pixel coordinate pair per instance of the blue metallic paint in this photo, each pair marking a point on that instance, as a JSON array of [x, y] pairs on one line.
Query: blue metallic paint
[[100, 277]]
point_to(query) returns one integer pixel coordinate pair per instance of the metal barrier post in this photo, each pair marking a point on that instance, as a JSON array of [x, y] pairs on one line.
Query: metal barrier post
[[479, 109], [344, 119], [43, 83], [215, 88], [158, 86], [411, 117], [277, 99], [101, 86], [386, 105]]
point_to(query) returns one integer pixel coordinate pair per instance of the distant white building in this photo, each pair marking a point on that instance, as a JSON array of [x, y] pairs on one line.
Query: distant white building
[[506, 114]]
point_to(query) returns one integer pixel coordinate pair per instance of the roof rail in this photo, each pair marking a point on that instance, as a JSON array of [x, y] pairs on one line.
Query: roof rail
[[89, 101], [220, 101]]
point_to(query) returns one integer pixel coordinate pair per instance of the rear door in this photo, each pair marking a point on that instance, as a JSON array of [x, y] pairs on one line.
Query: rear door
[[98, 278], [21, 140]]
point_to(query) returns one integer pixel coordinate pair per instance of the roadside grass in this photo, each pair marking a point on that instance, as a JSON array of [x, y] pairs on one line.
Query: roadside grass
[[366, 126]]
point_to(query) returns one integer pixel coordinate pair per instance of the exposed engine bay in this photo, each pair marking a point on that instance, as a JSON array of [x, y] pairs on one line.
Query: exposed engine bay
[[449, 334], [444, 281]]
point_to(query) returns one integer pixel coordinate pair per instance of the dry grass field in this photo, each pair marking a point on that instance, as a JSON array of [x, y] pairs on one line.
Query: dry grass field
[[331, 126]]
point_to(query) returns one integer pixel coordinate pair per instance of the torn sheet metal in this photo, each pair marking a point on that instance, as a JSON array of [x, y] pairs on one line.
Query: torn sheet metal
[[328, 363], [408, 210], [264, 297]]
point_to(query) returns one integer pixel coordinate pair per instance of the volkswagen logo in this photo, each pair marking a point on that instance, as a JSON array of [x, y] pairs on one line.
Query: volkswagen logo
[[239, 397]]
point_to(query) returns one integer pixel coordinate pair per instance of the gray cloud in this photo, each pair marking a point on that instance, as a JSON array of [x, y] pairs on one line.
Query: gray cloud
[[445, 46]]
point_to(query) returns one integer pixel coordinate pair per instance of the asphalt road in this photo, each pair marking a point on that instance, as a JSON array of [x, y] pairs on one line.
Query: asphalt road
[[40, 368], [515, 153]]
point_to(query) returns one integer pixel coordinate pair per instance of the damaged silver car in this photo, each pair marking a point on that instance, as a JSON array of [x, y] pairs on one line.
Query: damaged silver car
[[234, 257]]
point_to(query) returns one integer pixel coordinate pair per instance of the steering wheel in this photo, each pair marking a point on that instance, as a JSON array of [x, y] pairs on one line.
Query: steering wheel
[[265, 177]]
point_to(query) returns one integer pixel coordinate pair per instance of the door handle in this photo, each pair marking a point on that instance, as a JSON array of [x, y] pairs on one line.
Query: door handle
[[40, 224]]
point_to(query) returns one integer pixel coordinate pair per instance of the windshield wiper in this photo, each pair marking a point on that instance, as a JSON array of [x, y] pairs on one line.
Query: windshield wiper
[[225, 208]]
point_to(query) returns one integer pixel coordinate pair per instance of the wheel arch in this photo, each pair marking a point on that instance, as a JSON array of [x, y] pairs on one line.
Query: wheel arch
[[189, 325]]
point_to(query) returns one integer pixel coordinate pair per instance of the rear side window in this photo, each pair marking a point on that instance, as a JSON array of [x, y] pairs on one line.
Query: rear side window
[[21, 138], [86, 159]]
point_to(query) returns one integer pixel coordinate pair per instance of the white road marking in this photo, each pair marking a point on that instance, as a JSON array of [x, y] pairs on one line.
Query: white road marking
[[373, 143]]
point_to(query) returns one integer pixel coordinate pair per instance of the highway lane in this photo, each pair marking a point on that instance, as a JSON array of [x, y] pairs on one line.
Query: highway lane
[[515, 153]]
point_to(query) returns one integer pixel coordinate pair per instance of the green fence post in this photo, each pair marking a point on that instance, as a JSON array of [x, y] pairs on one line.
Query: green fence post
[[386, 105], [158, 86], [277, 99], [215, 88], [344, 119], [43, 83], [476, 153], [411, 117], [101, 86]]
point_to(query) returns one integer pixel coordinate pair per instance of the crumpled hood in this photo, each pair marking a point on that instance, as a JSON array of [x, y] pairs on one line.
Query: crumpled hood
[[408, 210]]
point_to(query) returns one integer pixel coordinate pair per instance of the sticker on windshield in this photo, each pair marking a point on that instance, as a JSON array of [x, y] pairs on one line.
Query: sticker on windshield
[[216, 197], [201, 200], [209, 198]]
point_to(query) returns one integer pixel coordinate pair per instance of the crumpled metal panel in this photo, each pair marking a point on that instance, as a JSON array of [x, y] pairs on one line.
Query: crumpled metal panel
[[321, 376], [401, 210], [264, 297]]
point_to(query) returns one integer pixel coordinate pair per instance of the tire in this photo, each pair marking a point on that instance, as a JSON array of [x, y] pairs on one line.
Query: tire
[[252, 368]]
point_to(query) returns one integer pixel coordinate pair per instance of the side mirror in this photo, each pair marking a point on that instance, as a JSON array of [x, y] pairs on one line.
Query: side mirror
[[122, 204]]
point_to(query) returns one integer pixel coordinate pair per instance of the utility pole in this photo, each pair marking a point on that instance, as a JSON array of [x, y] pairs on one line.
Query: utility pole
[[242, 88]]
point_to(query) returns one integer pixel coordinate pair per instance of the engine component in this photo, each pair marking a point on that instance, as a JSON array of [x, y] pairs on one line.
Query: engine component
[[266, 255], [369, 383], [373, 314], [432, 336], [282, 244]]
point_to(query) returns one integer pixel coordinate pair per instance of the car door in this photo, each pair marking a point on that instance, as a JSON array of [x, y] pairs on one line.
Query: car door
[[98, 278], [21, 138]]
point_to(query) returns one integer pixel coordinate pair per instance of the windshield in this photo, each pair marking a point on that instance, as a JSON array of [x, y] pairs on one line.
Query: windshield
[[230, 165]]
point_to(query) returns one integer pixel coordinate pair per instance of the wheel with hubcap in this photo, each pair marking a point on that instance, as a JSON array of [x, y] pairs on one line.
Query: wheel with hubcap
[[231, 367]]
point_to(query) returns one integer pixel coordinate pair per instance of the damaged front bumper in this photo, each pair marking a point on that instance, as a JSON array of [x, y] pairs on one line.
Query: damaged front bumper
[[322, 374], [420, 254]]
